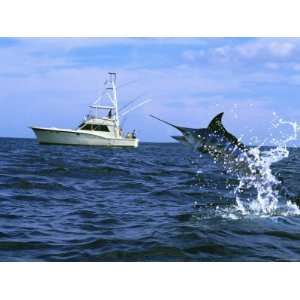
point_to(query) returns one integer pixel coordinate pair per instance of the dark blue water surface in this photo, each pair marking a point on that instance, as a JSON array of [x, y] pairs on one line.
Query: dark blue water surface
[[154, 203]]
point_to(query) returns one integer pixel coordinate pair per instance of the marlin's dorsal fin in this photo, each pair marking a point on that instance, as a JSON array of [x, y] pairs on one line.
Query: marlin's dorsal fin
[[216, 124]]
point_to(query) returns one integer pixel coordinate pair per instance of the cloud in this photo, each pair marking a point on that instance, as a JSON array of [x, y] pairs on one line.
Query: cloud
[[190, 55], [267, 47], [244, 51], [295, 66], [272, 65], [68, 44], [25, 56]]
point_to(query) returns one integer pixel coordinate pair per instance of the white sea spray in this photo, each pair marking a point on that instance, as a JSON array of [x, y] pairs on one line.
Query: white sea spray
[[261, 179]]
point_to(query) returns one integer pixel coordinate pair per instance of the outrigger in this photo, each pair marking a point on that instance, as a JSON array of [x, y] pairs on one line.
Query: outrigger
[[101, 127]]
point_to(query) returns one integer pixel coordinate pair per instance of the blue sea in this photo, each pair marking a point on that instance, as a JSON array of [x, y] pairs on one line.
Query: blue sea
[[159, 202]]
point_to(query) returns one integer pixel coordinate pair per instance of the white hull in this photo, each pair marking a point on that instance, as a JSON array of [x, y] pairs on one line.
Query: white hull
[[78, 137]]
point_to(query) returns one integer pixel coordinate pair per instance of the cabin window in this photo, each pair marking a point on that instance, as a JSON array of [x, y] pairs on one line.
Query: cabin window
[[101, 128], [87, 127]]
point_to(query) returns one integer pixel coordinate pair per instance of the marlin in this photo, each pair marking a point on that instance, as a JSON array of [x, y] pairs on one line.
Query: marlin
[[224, 147], [214, 140]]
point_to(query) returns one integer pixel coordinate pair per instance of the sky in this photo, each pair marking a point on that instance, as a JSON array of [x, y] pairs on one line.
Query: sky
[[51, 82]]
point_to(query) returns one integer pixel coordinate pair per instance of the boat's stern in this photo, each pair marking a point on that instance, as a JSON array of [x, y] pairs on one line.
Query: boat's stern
[[126, 142], [136, 143]]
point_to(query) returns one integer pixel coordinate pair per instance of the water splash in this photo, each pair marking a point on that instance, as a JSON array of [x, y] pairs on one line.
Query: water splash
[[264, 201]]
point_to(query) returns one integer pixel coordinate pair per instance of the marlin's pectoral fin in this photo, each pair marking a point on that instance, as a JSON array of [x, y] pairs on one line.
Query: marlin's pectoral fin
[[179, 138]]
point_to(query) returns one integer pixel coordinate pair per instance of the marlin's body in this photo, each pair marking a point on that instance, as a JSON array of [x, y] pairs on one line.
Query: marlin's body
[[214, 140]]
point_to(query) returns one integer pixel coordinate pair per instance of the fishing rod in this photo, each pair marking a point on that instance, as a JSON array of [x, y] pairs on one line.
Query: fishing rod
[[135, 107], [127, 83], [131, 102]]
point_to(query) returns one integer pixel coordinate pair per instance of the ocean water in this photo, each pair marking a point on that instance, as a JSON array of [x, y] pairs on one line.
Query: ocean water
[[159, 202]]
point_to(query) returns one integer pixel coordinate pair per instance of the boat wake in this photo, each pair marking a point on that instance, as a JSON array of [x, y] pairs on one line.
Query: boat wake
[[260, 193]]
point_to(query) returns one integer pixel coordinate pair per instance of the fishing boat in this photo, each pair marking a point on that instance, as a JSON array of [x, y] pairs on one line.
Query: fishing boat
[[101, 127]]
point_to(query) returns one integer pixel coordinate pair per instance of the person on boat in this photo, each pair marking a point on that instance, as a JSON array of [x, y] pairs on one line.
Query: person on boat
[[109, 115], [133, 134]]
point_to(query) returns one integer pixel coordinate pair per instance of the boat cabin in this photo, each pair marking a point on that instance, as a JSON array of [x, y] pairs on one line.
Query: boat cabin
[[103, 126]]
